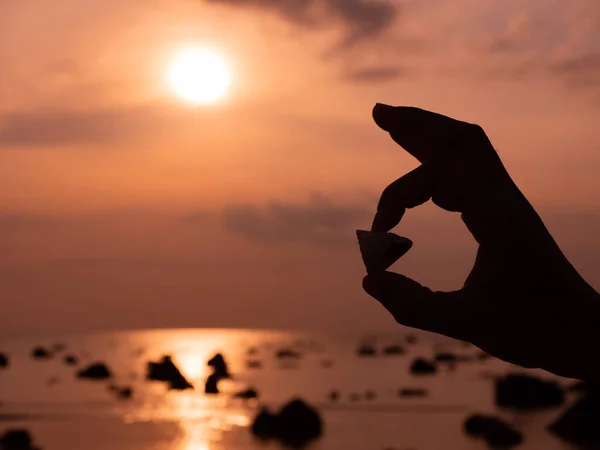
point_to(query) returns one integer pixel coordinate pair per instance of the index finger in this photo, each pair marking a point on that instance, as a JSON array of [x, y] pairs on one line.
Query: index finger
[[408, 191], [424, 134]]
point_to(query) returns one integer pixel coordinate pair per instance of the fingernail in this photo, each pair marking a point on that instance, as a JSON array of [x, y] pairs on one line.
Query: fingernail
[[385, 221], [381, 115], [384, 106]]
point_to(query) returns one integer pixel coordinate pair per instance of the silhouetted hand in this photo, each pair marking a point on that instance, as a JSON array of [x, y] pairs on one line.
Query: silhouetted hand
[[523, 302]]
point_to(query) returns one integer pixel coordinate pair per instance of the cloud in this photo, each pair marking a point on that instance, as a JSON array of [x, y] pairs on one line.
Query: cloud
[[581, 71], [60, 127], [377, 74], [361, 18], [318, 221]]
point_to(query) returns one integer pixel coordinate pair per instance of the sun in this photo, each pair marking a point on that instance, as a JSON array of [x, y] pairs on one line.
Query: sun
[[199, 75]]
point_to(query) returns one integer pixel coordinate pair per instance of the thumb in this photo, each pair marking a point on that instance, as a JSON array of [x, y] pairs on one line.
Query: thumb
[[417, 306]]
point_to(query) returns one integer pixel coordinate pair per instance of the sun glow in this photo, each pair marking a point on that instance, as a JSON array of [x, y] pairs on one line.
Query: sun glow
[[199, 75]]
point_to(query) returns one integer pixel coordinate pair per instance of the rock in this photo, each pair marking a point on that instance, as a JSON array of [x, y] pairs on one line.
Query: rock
[[95, 371], [580, 424], [247, 394], [124, 393], [40, 353], [59, 347], [165, 370], [253, 364], [334, 396], [412, 392], [17, 439], [380, 249], [526, 392], [3, 361], [295, 425], [366, 350], [394, 349], [219, 366], [211, 384], [70, 360], [286, 353], [446, 357], [493, 430], [264, 425], [421, 366]]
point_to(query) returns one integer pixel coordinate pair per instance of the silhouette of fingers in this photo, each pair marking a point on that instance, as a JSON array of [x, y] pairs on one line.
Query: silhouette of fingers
[[417, 306], [424, 134], [408, 191]]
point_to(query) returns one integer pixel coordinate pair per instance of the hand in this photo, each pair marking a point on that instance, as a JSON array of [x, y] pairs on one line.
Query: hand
[[523, 302]]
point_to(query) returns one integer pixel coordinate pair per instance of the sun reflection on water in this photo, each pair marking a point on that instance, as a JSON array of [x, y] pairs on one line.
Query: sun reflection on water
[[203, 420]]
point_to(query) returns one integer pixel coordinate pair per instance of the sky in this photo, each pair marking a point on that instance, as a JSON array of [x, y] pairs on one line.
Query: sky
[[122, 206]]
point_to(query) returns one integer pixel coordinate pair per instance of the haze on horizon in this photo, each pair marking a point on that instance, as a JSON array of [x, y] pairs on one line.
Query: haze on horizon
[[122, 206]]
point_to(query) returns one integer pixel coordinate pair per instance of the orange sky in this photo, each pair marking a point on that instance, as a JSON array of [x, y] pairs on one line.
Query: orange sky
[[122, 206]]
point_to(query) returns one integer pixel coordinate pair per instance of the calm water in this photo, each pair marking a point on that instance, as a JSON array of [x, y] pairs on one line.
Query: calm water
[[65, 413]]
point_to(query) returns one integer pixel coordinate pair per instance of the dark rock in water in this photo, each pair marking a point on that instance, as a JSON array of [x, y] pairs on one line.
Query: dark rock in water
[[264, 425], [95, 371], [412, 392], [493, 430], [446, 357], [394, 349], [165, 370], [59, 347], [526, 392], [41, 353], [580, 424], [247, 394], [17, 439], [124, 393], [211, 385], [366, 350], [219, 366], [253, 364], [287, 353], [3, 361], [71, 360], [297, 424], [326, 363], [421, 366], [370, 395], [334, 396]]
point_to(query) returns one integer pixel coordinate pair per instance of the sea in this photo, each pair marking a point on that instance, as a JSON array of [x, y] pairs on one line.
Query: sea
[[64, 412]]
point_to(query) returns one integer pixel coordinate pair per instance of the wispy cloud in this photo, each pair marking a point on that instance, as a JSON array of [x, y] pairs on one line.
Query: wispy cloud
[[378, 74], [319, 221], [360, 18]]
